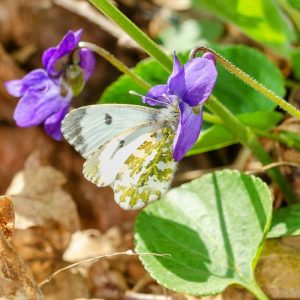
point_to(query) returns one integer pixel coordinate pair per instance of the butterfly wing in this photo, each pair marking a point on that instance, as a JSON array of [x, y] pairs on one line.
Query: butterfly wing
[[126, 147], [89, 127], [147, 173], [103, 165]]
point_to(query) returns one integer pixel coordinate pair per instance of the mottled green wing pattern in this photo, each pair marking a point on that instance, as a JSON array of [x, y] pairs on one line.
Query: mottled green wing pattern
[[147, 173]]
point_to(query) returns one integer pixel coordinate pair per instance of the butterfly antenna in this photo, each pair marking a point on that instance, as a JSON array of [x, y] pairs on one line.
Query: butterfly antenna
[[156, 100], [167, 98]]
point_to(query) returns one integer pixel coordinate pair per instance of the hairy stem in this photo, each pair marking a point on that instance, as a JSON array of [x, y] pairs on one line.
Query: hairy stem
[[250, 81]]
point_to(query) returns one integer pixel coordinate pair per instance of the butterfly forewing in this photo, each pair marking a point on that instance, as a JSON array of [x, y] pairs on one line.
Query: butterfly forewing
[[147, 173], [89, 127]]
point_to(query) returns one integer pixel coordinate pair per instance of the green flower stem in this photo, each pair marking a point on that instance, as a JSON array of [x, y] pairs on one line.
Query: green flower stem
[[250, 81], [108, 9], [247, 137], [115, 62], [212, 118]]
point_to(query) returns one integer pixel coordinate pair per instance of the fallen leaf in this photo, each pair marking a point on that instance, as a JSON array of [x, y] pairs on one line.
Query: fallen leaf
[[16, 282], [46, 216], [41, 248], [7, 217], [278, 270], [39, 198]]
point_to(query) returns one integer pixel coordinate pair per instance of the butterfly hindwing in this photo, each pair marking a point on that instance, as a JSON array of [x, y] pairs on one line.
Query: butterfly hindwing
[[103, 165], [147, 173], [89, 127]]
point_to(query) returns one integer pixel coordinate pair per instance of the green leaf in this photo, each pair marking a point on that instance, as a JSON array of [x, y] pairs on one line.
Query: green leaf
[[118, 92], [260, 19], [191, 33], [212, 228], [213, 138], [217, 136], [238, 96], [286, 222], [296, 62], [235, 94], [295, 4], [261, 120]]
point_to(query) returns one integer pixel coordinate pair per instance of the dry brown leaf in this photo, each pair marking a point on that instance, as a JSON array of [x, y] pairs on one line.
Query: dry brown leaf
[[46, 216], [90, 243], [16, 282], [7, 217], [291, 124], [38, 197], [291, 156], [41, 248], [107, 283], [278, 270]]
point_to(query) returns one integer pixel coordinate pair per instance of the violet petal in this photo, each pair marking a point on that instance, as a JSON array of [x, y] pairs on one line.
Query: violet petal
[[66, 46], [155, 97], [87, 62], [14, 87], [35, 107], [35, 80], [176, 68], [53, 123], [47, 56], [195, 81], [188, 130], [209, 55]]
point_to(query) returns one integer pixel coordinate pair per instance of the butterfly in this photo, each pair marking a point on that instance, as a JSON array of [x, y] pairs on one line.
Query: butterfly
[[127, 147]]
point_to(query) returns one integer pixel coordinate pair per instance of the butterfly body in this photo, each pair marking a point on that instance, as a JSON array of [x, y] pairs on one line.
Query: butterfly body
[[127, 147]]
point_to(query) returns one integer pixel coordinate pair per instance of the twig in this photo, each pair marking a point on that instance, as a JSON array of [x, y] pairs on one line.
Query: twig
[[273, 165], [85, 10], [128, 252]]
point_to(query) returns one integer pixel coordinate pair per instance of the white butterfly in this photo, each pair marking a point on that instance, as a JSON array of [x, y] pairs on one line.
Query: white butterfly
[[127, 147]]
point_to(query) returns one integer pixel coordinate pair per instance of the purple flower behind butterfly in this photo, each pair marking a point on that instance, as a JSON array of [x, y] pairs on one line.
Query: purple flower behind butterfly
[[187, 88], [46, 93]]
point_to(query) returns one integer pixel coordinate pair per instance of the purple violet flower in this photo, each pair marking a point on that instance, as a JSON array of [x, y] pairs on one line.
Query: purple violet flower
[[187, 88], [46, 94]]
